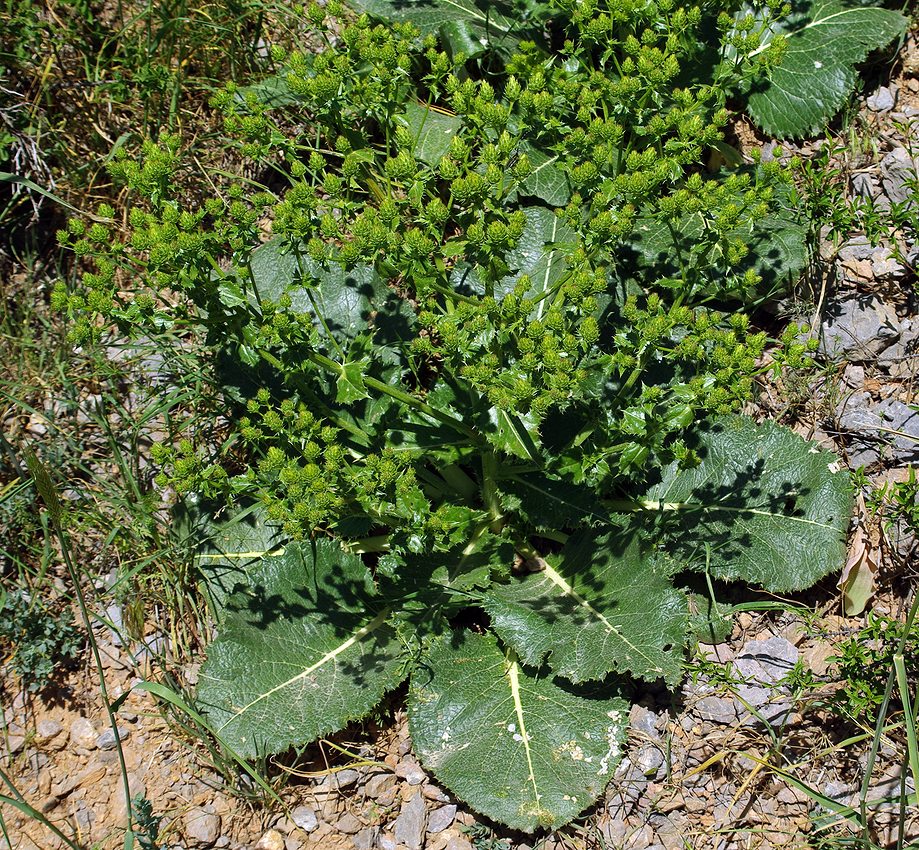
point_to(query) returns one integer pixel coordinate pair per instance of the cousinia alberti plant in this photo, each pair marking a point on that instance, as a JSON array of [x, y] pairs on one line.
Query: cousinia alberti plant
[[476, 309]]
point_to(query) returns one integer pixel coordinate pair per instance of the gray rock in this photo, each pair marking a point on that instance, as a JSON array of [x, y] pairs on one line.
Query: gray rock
[[898, 171], [883, 100], [201, 826], [715, 709], [762, 664], [118, 810], [114, 615], [441, 818], [857, 248], [901, 537], [83, 734], [614, 831], [886, 267], [648, 760], [386, 842], [409, 770], [304, 818], [339, 780], [865, 186], [106, 740], [365, 838], [410, 825], [379, 784], [858, 329], [459, 843], [644, 721], [49, 735], [348, 824]]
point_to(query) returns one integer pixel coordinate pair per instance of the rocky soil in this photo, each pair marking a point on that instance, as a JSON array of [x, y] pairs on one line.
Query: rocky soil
[[723, 764]]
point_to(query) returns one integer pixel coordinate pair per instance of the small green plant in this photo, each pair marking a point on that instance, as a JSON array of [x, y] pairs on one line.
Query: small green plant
[[481, 337], [147, 824], [36, 638]]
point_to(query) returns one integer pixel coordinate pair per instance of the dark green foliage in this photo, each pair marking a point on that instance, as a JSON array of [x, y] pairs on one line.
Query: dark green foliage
[[496, 329]]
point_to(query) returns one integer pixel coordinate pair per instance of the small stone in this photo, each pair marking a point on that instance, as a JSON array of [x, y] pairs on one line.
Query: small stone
[[386, 842], [432, 792], [348, 824], [441, 818], [291, 843], [304, 818], [898, 171], [409, 826], [48, 735], [644, 721], [715, 709], [83, 734], [223, 841], [365, 838], [614, 832], [107, 741], [11, 744], [339, 780], [118, 811], [883, 100], [857, 248], [858, 329], [379, 784], [271, 840], [202, 826], [459, 843], [648, 760], [410, 771]]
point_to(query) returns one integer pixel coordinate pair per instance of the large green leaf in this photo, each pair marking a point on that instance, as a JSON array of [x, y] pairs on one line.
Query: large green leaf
[[432, 129], [607, 606], [304, 649], [763, 505], [229, 550], [348, 300], [825, 39], [517, 747], [540, 253], [546, 181]]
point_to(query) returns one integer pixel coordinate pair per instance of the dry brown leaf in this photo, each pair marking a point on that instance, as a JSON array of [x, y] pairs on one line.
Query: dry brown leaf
[[858, 575]]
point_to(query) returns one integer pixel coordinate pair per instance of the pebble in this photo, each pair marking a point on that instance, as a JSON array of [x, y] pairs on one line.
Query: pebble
[[348, 824], [409, 826], [440, 819], [83, 734], [305, 818], [365, 838], [459, 843], [271, 840], [410, 771], [648, 760], [644, 721], [858, 329], [883, 100], [898, 169], [202, 826], [48, 735], [339, 780], [106, 740], [379, 784]]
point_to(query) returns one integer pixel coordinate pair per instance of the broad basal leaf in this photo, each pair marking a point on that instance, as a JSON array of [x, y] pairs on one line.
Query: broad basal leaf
[[347, 299], [550, 503], [546, 181], [518, 748], [430, 15], [540, 253], [825, 39], [432, 129], [305, 648], [763, 505], [607, 606], [229, 550]]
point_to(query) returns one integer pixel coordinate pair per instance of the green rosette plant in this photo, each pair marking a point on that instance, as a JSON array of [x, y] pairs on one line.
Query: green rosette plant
[[476, 309]]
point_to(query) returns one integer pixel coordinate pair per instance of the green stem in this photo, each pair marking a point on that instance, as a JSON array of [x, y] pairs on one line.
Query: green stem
[[398, 395], [490, 490]]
